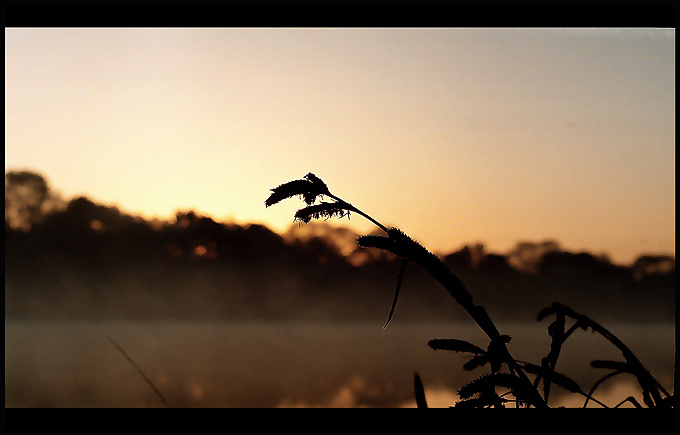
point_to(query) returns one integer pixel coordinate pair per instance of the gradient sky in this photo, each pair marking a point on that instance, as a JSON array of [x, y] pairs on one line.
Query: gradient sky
[[454, 135]]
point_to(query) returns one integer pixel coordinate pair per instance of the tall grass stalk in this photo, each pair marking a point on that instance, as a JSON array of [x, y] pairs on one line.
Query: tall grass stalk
[[140, 371], [481, 392]]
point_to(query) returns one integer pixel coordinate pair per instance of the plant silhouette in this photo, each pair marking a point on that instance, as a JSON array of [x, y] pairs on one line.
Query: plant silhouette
[[487, 390]]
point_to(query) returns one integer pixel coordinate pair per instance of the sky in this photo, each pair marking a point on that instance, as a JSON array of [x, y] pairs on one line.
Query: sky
[[454, 135]]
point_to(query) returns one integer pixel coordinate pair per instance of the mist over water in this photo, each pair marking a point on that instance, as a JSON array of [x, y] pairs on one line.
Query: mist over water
[[248, 364]]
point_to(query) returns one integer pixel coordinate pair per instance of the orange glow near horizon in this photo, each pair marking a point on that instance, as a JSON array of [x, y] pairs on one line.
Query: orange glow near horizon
[[454, 135]]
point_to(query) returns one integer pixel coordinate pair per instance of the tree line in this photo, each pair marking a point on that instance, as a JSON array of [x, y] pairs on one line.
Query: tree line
[[76, 259]]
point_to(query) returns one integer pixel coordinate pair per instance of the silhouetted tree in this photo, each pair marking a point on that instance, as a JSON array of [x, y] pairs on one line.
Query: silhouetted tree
[[526, 255], [653, 264], [27, 199]]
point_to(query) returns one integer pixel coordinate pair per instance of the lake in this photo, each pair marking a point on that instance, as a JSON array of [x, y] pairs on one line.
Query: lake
[[212, 364]]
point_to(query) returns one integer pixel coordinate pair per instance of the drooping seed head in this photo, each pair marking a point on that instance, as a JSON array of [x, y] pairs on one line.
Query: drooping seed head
[[310, 187], [322, 210]]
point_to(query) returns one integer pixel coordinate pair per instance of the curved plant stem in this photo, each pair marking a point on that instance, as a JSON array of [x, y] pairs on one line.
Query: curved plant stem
[[357, 211], [455, 287]]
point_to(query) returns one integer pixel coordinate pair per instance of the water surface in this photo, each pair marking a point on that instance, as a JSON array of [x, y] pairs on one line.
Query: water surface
[[212, 364]]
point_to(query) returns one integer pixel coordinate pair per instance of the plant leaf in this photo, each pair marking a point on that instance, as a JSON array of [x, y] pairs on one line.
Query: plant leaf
[[454, 345], [482, 401], [421, 402], [488, 382], [477, 361]]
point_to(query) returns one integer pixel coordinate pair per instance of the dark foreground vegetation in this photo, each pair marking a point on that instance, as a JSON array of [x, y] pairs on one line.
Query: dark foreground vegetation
[[499, 387], [78, 259]]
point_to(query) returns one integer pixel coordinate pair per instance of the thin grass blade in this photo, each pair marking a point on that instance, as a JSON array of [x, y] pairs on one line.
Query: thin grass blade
[[400, 277], [148, 381]]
